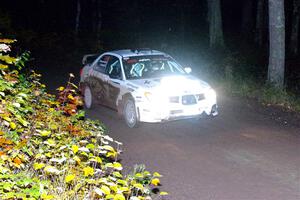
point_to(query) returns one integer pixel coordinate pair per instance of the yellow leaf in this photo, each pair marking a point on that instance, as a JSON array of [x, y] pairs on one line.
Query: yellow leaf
[[163, 193], [117, 174], [75, 149], [155, 181], [7, 119], [109, 148], [114, 188], [38, 166], [70, 97], [77, 159], [138, 175], [3, 66], [50, 142], [111, 154], [60, 88], [7, 41], [12, 125], [44, 133], [123, 189], [46, 197], [105, 189], [88, 171], [156, 174], [49, 154], [138, 186], [117, 166], [119, 197], [122, 182], [69, 178], [99, 160]]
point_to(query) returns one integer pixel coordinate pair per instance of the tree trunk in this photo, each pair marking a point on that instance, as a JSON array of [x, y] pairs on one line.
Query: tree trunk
[[247, 23], [294, 41], [259, 32], [277, 43], [215, 24], [77, 22]]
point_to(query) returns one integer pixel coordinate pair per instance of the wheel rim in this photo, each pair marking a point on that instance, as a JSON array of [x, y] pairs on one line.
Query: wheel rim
[[130, 113], [88, 97]]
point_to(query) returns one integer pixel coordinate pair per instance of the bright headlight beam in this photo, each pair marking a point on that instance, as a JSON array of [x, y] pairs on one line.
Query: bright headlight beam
[[210, 94]]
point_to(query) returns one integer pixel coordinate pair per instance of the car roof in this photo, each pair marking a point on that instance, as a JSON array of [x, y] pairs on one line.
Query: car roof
[[136, 52]]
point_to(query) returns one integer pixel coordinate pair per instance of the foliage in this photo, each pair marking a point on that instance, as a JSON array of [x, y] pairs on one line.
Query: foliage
[[241, 76], [264, 93], [49, 151]]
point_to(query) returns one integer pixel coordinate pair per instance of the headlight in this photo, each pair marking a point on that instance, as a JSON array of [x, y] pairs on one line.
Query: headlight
[[149, 96], [210, 94]]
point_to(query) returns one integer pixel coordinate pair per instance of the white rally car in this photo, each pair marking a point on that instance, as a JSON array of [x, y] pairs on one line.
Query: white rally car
[[145, 86]]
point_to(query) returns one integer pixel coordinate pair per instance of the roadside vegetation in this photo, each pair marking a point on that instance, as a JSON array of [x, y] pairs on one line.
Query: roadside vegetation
[[238, 75], [264, 93], [48, 150]]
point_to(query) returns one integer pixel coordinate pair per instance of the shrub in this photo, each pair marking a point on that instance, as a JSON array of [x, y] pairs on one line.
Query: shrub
[[49, 151]]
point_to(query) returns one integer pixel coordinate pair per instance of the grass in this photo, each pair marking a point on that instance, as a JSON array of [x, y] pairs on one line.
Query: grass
[[264, 93]]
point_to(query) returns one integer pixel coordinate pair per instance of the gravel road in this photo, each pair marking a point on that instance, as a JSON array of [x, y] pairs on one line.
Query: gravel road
[[248, 152]]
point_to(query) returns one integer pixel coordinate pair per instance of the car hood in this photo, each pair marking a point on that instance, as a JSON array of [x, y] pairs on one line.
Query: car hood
[[171, 84]]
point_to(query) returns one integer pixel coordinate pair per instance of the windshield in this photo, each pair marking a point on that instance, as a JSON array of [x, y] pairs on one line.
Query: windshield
[[140, 67]]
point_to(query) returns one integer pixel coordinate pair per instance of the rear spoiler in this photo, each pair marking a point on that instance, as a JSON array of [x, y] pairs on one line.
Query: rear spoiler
[[89, 58]]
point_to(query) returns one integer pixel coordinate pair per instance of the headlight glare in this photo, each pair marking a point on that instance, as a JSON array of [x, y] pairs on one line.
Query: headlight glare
[[149, 96], [210, 94]]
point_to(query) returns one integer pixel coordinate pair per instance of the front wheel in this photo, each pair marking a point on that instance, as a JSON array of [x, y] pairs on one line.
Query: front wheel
[[130, 114]]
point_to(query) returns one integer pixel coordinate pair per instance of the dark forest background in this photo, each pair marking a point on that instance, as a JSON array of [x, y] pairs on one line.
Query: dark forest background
[[59, 33]]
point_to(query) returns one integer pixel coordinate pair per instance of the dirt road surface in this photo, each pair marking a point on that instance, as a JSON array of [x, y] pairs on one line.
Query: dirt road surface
[[246, 153]]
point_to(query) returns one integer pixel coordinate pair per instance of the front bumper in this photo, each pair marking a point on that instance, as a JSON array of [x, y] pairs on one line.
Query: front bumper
[[159, 113]]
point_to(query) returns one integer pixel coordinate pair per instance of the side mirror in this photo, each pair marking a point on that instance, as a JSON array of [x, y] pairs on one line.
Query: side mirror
[[188, 70]]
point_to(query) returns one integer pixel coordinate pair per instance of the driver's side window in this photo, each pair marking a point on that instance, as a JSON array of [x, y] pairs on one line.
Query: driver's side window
[[113, 68]]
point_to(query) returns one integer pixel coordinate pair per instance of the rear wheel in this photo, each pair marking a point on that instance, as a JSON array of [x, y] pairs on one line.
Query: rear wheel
[[129, 113], [88, 97]]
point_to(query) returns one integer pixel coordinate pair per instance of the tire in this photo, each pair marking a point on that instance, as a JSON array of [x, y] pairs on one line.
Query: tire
[[129, 113], [88, 97]]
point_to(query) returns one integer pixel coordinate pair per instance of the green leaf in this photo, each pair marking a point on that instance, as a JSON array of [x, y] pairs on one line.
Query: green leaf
[[122, 182], [117, 166], [44, 133], [117, 174], [90, 146]]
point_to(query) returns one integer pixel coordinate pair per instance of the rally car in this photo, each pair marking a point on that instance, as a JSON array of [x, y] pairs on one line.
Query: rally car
[[144, 85]]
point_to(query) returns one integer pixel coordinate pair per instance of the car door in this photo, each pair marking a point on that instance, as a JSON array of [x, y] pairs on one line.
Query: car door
[[98, 79], [115, 82]]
